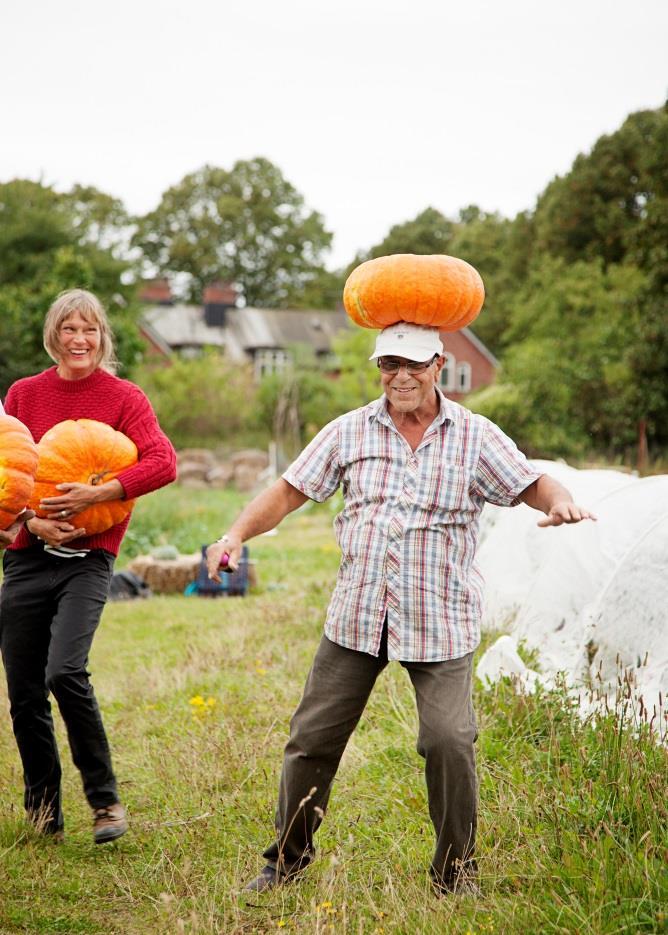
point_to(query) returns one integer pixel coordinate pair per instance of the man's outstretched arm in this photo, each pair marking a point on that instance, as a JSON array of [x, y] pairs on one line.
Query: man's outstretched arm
[[263, 513], [552, 498]]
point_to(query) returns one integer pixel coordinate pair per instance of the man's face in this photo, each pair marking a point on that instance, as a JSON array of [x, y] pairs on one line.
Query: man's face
[[408, 391]]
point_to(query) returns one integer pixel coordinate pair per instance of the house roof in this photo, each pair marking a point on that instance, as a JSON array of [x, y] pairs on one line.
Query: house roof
[[183, 326], [480, 346], [249, 329], [245, 329]]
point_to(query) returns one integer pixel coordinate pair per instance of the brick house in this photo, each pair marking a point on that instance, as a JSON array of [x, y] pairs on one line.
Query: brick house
[[468, 364], [263, 337]]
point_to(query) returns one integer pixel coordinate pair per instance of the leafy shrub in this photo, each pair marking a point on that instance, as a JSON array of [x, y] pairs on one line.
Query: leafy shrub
[[205, 402]]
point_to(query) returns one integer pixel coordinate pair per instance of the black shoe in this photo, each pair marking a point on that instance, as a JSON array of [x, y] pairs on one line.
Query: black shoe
[[268, 879]]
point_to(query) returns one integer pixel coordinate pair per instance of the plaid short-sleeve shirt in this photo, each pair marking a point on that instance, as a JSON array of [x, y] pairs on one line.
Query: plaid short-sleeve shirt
[[409, 525]]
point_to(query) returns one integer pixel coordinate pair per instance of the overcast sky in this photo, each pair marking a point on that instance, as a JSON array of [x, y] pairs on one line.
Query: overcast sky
[[373, 110]]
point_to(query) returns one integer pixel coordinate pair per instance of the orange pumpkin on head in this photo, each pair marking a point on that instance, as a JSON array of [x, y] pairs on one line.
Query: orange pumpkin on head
[[84, 451], [438, 291], [18, 463]]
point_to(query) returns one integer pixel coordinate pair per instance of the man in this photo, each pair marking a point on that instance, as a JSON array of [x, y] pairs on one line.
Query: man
[[416, 470]]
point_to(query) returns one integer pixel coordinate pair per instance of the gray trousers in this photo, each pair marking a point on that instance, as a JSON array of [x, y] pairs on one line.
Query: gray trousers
[[336, 692]]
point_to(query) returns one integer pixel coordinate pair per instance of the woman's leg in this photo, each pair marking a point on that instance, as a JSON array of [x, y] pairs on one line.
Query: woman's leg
[[26, 610], [80, 593]]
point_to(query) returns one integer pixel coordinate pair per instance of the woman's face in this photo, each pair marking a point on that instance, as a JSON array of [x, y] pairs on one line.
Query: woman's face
[[79, 347]]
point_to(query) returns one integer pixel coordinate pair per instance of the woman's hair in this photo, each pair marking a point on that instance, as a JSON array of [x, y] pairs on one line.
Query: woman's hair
[[91, 310]]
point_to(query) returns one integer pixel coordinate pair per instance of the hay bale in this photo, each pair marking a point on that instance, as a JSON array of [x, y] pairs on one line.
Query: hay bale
[[187, 470], [197, 456], [245, 478], [166, 576], [194, 483], [220, 476], [250, 457]]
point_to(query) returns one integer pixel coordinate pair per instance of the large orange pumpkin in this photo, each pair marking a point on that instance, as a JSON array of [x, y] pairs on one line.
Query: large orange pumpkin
[[18, 464], [440, 291], [84, 451]]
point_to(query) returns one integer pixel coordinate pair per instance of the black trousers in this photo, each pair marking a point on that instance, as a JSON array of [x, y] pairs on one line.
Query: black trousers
[[49, 610]]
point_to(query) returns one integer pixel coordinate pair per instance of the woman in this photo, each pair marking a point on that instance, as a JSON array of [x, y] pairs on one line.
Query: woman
[[56, 577]]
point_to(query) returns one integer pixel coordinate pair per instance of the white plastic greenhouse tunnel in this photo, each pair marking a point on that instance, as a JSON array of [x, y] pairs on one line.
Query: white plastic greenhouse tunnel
[[590, 600]]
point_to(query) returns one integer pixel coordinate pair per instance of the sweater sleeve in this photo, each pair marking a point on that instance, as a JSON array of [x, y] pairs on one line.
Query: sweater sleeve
[[156, 464], [10, 403]]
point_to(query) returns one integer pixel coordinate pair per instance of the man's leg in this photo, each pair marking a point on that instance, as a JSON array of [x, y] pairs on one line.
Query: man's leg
[[336, 692], [446, 741], [25, 634]]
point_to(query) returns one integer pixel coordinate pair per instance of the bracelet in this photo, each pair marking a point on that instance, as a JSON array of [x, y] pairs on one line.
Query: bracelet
[[223, 539]]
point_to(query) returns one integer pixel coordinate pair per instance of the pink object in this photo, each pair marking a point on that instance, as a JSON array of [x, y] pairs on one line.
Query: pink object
[[223, 563]]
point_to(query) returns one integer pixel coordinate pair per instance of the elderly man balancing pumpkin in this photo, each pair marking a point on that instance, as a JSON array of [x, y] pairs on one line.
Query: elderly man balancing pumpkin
[[100, 445], [415, 470]]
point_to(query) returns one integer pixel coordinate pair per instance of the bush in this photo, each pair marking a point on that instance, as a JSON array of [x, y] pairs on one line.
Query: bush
[[205, 402]]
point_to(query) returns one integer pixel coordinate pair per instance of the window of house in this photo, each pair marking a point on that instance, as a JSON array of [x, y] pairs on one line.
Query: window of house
[[448, 373], [463, 377], [269, 360]]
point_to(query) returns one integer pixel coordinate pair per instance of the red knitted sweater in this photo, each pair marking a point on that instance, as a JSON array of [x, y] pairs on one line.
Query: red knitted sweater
[[43, 400]]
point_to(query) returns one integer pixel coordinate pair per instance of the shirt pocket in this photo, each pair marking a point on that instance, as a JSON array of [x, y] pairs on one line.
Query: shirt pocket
[[446, 489]]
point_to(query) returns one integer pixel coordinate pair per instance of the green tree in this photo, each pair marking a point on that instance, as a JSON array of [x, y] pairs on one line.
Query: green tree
[[208, 401], [614, 200], [429, 232], [568, 382], [248, 225], [498, 249], [47, 244]]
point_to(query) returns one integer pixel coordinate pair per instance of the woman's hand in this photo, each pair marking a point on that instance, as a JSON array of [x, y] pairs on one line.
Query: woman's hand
[[54, 532], [76, 498]]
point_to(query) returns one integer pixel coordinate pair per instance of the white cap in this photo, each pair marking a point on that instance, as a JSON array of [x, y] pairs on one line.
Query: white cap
[[413, 342]]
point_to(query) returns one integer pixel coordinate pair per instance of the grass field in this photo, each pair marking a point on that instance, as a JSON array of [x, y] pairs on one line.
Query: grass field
[[197, 695]]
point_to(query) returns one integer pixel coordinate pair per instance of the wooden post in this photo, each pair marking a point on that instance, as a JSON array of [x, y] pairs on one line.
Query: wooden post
[[642, 457]]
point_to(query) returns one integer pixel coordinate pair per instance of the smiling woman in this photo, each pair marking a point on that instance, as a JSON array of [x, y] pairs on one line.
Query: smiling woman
[[77, 335], [57, 571]]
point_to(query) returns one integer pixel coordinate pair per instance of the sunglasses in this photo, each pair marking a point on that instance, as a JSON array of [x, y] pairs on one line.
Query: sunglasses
[[394, 364]]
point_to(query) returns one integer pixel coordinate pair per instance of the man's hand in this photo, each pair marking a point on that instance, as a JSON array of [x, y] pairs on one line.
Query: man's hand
[[55, 532], [550, 497], [8, 535], [565, 512], [230, 545]]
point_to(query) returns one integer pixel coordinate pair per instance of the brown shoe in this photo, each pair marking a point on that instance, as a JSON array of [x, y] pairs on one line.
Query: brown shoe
[[109, 823]]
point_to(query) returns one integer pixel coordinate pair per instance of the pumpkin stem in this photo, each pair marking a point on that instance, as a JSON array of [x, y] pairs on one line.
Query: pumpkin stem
[[96, 479]]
